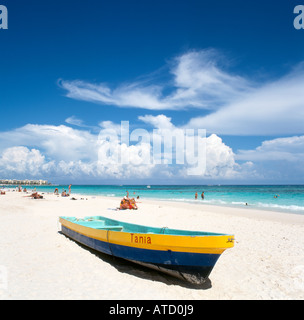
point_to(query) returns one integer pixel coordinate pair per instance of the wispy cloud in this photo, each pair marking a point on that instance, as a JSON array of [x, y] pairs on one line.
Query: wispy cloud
[[275, 108], [132, 95], [202, 80], [75, 121], [198, 80]]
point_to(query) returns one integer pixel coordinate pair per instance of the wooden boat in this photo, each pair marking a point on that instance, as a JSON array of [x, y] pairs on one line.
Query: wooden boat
[[189, 255]]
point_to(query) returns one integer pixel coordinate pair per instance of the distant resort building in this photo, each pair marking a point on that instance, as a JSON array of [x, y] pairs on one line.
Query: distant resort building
[[24, 182]]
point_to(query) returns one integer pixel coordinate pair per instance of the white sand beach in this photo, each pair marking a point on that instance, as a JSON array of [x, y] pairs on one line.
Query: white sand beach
[[38, 262]]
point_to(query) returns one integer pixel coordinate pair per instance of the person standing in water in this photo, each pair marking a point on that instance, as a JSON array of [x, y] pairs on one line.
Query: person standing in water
[[202, 195], [195, 195]]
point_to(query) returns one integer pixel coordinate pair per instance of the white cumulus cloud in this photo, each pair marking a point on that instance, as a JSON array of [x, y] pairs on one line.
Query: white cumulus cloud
[[61, 151], [20, 160]]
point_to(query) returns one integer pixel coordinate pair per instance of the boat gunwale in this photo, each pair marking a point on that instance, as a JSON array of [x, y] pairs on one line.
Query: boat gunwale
[[124, 224]]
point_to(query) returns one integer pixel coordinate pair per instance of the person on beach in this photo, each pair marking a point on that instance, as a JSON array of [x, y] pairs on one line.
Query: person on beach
[[64, 194], [195, 195], [202, 195], [127, 203], [2, 192], [35, 195], [133, 204], [124, 204], [56, 192], [70, 188]]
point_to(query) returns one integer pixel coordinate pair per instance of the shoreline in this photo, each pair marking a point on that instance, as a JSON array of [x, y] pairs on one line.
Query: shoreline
[[238, 210], [291, 208], [265, 263], [231, 206]]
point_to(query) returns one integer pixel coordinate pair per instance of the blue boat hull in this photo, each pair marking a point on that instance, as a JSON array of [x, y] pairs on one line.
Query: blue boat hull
[[189, 266]]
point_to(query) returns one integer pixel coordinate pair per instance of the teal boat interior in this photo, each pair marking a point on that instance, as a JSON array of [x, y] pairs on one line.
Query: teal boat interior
[[102, 223]]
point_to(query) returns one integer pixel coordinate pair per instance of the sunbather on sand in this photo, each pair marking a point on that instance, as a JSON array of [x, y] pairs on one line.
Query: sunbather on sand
[[133, 204], [64, 194], [126, 203], [35, 195]]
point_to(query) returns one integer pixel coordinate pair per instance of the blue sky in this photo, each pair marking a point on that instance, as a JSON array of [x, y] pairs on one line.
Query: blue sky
[[72, 68]]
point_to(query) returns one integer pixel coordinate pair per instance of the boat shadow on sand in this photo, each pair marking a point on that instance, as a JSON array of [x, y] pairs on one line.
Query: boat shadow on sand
[[139, 271]]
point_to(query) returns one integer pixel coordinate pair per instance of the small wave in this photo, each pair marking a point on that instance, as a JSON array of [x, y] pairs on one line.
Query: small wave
[[220, 202], [282, 207], [215, 201], [210, 201], [178, 199], [238, 203]]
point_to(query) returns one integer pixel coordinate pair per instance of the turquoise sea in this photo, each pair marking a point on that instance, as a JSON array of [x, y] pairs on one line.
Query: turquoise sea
[[287, 198]]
